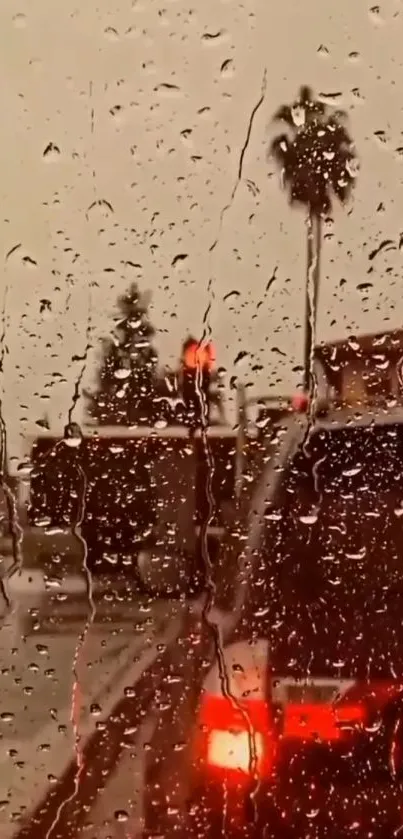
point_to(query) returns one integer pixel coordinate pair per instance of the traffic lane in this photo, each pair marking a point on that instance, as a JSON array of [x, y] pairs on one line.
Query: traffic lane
[[169, 753], [41, 768], [39, 671], [144, 790], [118, 809], [147, 791], [88, 786]]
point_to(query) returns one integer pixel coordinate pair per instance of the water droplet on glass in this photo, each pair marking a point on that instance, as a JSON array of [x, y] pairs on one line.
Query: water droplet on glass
[[122, 373], [121, 815], [309, 519], [357, 555], [375, 14], [72, 435], [20, 21], [51, 152], [227, 68], [273, 516], [111, 33], [179, 259], [357, 93], [129, 691], [298, 114], [29, 261], [350, 473], [353, 167]]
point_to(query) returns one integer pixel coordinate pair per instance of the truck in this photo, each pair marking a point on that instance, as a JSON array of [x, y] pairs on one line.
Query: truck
[[138, 504]]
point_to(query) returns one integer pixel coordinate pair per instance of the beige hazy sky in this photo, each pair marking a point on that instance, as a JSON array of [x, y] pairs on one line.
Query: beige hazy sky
[[172, 86]]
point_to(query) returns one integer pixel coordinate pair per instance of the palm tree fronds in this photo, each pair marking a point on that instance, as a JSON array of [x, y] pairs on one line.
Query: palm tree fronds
[[317, 157], [318, 162]]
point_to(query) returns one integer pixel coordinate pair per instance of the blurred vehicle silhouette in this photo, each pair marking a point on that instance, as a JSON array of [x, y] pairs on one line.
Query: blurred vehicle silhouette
[[121, 493], [296, 727]]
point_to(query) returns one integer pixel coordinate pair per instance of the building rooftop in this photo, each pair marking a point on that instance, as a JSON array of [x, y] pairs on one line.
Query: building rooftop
[[364, 368], [352, 347]]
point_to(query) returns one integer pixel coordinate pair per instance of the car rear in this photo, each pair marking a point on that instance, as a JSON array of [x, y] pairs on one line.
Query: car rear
[[300, 724]]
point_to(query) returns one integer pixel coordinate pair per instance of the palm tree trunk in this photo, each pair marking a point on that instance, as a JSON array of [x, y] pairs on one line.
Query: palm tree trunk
[[314, 242]]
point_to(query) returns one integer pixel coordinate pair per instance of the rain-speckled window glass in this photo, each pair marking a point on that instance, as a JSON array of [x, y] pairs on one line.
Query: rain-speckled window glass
[[201, 420]]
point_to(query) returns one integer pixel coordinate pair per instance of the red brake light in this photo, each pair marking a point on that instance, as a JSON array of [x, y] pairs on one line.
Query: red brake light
[[235, 738], [300, 403], [325, 722], [198, 356]]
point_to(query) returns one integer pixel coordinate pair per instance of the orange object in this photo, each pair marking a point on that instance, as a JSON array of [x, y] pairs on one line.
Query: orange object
[[199, 356]]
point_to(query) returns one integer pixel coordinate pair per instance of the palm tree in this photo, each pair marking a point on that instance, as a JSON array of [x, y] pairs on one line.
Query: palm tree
[[318, 162]]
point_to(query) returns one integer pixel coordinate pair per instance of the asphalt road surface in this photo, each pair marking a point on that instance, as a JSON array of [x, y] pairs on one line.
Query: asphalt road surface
[[57, 686], [119, 808]]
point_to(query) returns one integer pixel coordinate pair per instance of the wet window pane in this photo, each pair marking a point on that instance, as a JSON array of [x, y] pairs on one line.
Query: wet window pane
[[201, 420]]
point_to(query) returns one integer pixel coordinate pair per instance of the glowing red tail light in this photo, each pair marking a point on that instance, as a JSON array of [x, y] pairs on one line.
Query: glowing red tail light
[[235, 738], [325, 722]]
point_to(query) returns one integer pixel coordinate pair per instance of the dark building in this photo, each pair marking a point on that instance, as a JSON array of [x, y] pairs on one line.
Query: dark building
[[366, 369]]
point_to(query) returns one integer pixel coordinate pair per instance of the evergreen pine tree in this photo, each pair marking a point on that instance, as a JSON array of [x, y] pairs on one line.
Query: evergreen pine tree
[[126, 381]]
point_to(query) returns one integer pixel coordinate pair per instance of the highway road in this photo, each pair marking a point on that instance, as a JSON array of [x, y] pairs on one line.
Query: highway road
[[80, 699], [58, 685]]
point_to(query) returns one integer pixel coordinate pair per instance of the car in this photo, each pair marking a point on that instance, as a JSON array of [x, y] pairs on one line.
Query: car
[[291, 724]]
